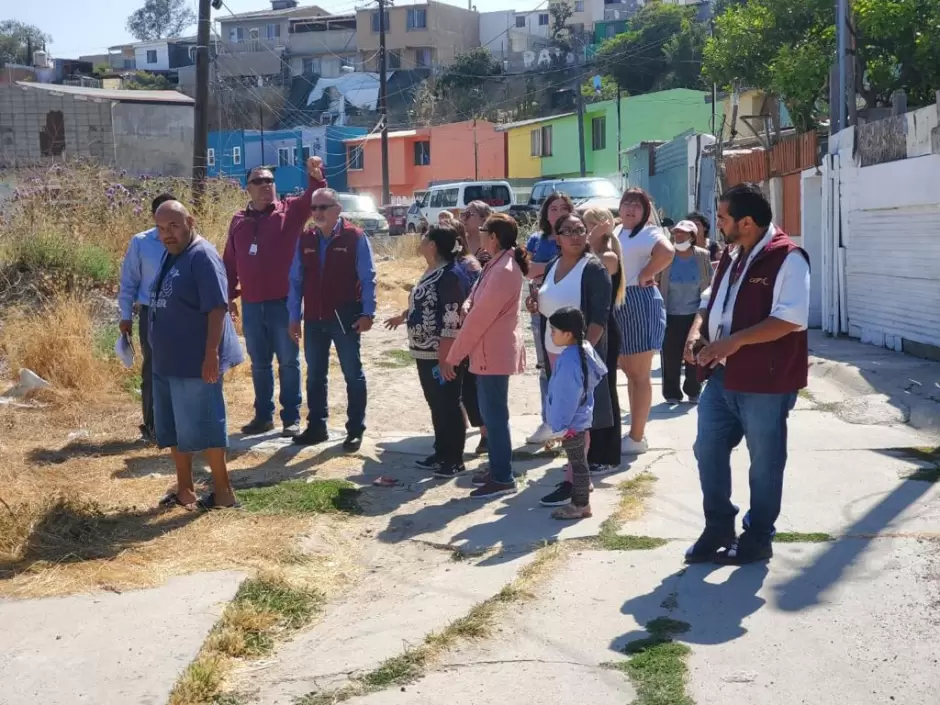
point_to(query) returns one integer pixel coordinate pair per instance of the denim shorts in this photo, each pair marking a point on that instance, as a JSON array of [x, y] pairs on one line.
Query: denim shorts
[[189, 414]]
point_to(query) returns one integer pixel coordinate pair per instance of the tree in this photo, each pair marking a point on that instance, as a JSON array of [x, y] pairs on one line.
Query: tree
[[661, 49], [608, 89], [143, 81], [159, 19], [560, 13], [462, 83], [18, 40], [786, 48]]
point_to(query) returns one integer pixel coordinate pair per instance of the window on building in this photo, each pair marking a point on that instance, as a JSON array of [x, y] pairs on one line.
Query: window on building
[[210, 157], [547, 141], [598, 133], [236, 156], [284, 156], [543, 19], [423, 57], [417, 18], [272, 31], [394, 59], [579, 5], [491, 194], [535, 143], [305, 154], [376, 22], [151, 56], [354, 157], [540, 140], [520, 21], [611, 30], [312, 66], [236, 34], [422, 153]]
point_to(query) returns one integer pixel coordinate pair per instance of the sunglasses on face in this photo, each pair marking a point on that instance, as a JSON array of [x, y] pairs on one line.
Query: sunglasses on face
[[261, 181], [322, 206], [577, 230]]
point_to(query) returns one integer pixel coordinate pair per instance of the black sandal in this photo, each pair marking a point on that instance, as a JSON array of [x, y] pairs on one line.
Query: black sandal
[[208, 503], [171, 499]]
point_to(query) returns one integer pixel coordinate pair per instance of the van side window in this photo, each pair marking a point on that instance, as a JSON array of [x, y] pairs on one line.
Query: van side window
[[437, 199], [491, 194], [449, 197]]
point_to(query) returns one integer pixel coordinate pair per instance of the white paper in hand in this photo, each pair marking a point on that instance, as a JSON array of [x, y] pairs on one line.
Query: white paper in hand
[[124, 351]]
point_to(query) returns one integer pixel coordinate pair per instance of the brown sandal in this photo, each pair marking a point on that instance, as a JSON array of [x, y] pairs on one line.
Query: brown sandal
[[571, 512]]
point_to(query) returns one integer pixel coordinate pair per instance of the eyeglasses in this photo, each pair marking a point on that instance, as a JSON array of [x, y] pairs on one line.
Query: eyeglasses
[[467, 215], [261, 181], [570, 232], [322, 206]]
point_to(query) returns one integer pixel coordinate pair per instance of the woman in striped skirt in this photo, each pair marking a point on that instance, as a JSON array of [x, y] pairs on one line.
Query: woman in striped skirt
[[646, 252]]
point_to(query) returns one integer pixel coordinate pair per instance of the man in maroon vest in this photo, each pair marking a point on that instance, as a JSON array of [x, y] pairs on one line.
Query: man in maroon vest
[[333, 280], [755, 317]]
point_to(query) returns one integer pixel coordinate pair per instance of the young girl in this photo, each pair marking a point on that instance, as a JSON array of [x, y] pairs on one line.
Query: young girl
[[570, 402]]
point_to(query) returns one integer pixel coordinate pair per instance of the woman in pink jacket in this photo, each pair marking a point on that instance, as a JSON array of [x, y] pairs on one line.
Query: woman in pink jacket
[[490, 336]]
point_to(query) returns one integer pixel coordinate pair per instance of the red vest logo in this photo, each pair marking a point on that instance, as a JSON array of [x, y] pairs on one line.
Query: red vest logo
[[758, 280]]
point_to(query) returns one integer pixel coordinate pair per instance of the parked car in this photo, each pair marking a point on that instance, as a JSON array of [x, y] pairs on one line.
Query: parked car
[[415, 216], [590, 192], [397, 217], [455, 196], [361, 209]]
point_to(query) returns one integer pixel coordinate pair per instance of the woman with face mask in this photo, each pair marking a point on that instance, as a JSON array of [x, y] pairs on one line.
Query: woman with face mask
[[681, 285]]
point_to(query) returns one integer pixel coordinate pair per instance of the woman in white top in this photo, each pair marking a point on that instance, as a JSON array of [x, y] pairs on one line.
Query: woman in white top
[[646, 252]]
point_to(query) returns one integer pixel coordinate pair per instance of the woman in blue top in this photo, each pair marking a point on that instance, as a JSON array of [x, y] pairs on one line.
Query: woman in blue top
[[543, 248], [570, 404]]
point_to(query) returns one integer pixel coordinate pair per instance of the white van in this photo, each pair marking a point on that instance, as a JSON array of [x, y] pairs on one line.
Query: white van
[[454, 197]]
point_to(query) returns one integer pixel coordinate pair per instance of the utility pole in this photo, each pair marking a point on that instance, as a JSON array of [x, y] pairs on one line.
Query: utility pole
[[383, 103], [579, 81], [843, 47], [201, 112], [476, 155], [619, 141]]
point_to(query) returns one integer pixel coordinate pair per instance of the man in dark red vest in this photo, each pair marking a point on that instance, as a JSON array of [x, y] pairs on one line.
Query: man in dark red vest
[[333, 280], [756, 359]]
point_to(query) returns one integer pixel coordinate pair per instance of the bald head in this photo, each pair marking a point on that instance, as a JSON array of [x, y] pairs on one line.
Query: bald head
[[175, 226]]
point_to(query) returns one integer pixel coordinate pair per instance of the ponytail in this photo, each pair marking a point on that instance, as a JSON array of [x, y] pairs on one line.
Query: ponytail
[[522, 259], [579, 336]]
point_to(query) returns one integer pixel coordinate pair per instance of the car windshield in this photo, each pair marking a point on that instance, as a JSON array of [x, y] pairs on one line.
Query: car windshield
[[353, 203], [601, 188]]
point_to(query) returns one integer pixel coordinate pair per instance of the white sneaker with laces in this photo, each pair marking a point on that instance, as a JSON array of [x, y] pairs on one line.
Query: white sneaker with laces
[[632, 447], [543, 434]]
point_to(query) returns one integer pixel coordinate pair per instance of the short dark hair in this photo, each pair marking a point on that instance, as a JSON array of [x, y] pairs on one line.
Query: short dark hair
[[506, 231], [160, 200], [747, 200], [545, 225], [444, 238], [699, 218], [638, 195]]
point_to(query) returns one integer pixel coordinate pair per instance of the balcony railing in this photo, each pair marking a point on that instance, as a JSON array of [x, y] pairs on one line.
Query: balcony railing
[[252, 45]]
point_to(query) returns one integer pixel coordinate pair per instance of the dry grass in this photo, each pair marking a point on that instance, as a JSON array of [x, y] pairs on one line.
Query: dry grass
[[399, 268]]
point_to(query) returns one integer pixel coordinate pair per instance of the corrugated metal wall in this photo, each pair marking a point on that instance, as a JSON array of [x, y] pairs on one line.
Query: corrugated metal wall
[[669, 185]]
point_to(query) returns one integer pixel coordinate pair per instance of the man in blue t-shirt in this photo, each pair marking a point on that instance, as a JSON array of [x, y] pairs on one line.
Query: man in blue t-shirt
[[194, 343]]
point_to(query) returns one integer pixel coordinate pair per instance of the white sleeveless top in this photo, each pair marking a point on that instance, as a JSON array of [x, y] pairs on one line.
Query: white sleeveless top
[[553, 296]]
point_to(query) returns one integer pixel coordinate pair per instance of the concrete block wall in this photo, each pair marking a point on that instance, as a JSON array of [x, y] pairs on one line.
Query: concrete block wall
[[70, 126]]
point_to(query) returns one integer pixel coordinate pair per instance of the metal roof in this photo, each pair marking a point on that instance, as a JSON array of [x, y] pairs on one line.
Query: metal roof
[[121, 96], [533, 121], [300, 11], [378, 135]]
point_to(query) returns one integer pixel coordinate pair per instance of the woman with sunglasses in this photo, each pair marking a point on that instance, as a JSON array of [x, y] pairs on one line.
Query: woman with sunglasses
[[543, 247], [490, 337], [576, 279], [646, 253], [473, 217]]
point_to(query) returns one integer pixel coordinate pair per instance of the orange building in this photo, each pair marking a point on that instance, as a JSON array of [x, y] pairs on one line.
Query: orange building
[[467, 151]]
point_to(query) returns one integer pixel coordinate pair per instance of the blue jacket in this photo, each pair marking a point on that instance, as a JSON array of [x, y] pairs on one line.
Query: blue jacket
[[568, 408]]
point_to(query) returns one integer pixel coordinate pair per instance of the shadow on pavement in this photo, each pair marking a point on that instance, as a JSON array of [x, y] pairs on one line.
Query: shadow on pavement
[[715, 611]]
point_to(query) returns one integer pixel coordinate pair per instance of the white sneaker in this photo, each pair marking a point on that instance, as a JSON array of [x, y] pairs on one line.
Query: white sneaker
[[543, 434], [632, 447]]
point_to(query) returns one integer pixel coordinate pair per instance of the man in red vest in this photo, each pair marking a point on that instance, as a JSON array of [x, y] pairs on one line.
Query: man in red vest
[[333, 280], [754, 318]]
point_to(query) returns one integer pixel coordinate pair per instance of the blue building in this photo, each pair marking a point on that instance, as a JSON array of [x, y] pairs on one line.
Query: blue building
[[233, 154]]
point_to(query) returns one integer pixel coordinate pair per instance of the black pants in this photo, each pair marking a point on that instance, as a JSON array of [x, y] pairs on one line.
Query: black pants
[[677, 330], [471, 402], [605, 442], [146, 370], [450, 434]]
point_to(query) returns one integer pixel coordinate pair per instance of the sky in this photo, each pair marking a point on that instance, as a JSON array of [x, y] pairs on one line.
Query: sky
[[90, 27]]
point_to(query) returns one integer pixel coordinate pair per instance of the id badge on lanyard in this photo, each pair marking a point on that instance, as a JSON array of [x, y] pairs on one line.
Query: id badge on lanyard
[[253, 250]]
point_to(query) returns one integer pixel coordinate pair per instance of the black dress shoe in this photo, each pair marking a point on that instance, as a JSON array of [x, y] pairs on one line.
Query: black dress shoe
[[312, 436], [257, 427], [746, 549], [290, 430], [708, 545], [352, 443]]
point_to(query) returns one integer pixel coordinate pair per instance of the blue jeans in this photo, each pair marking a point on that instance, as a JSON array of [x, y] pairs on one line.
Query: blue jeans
[[541, 359], [724, 418], [493, 392], [318, 335], [266, 337], [189, 414]]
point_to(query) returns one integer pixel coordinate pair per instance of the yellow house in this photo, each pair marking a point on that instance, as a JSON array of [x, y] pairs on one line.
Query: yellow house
[[523, 152]]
